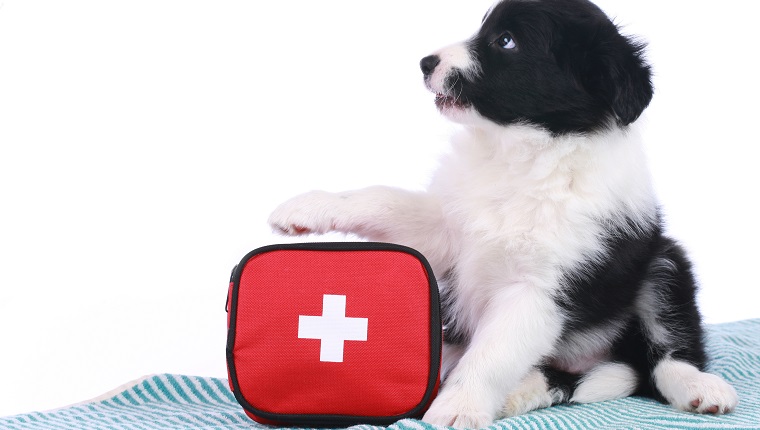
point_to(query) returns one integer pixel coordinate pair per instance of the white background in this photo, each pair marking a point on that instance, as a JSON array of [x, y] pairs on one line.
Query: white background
[[144, 143]]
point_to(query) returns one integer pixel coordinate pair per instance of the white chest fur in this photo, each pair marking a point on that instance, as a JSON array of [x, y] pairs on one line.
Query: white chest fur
[[524, 206]]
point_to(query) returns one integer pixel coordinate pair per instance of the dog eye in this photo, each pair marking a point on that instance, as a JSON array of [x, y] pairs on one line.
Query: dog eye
[[506, 41]]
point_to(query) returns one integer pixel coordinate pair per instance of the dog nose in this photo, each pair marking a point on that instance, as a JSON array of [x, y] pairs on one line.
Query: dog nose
[[428, 64]]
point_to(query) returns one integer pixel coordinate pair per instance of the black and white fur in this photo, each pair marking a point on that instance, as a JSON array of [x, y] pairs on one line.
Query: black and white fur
[[558, 283]]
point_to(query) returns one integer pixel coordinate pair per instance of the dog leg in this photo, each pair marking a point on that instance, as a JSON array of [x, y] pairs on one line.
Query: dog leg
[[533, 393], [673, 336], [385, 214], [546, 387], [606, 381], [689, 389], [517, 329]]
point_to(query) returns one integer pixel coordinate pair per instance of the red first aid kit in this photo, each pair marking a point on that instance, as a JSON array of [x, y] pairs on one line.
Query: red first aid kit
[[333, 334]]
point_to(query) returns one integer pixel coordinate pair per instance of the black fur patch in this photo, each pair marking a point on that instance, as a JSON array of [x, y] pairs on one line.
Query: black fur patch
[[642, 261], [563, 382]]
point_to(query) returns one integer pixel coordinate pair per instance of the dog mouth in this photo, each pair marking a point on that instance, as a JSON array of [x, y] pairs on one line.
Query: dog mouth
[[443, 101]]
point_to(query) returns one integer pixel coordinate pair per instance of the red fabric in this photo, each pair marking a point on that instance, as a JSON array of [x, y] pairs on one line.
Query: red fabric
[[384, 376]]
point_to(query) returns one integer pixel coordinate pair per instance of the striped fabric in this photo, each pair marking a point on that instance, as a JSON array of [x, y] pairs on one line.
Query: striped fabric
[[187, 402]]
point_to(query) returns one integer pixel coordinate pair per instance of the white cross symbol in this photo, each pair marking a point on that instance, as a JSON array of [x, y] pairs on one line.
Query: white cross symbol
[[332, 328]]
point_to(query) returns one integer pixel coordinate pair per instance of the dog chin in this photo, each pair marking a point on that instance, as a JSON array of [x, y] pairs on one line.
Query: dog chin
[[454, 109], [464, 114]]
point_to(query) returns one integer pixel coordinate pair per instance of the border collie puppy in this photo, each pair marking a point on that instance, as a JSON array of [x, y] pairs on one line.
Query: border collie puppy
[[557, 281]]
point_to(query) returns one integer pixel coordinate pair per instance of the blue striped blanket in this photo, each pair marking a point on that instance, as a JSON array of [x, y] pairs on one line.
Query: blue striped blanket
[[187, 402]]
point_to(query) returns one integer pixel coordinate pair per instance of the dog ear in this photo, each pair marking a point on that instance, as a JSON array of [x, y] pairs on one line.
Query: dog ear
[[609, 67], [617, 74]]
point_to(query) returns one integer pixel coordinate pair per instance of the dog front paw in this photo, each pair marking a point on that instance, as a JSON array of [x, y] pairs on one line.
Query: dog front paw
[[458, 412], [312, 212]]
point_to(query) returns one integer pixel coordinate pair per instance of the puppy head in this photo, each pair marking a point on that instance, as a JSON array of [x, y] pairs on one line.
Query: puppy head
[[561, 65]]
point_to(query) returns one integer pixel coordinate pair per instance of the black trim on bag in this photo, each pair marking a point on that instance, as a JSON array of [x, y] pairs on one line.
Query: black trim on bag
[[227, 303], [338, 420]]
